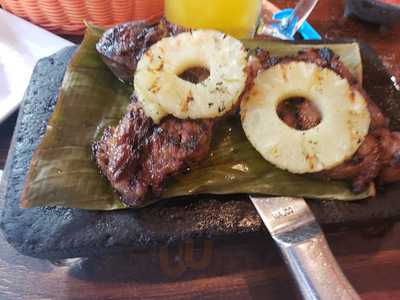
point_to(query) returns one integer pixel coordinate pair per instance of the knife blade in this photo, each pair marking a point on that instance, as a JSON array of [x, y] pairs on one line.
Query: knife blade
[[304, 248], [300, 14]]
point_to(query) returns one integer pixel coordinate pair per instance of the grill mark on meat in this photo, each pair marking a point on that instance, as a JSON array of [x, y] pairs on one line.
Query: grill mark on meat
[[137, 156], [195, 75], [299, 114], [308, 115]]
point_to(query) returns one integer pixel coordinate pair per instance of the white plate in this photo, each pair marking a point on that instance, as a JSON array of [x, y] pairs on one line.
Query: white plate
[[22, 44]]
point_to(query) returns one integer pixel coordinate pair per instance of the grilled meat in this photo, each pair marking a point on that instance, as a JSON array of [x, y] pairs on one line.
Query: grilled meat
[[138, 156], [299, 113], [362, 168], [379, 154], [390, 155], [122, 46]]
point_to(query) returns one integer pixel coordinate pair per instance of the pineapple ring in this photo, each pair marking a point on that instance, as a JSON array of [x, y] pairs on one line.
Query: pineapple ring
[[344, 125], [161, 91]]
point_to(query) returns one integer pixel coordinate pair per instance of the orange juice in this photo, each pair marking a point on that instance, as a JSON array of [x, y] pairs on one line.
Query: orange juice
[[235, 17]]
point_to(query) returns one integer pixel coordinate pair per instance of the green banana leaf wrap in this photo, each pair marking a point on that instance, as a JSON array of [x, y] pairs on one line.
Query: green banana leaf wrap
[[63, 173]]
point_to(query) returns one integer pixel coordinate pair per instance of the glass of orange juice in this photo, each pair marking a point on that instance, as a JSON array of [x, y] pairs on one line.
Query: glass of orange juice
[[235, 17]]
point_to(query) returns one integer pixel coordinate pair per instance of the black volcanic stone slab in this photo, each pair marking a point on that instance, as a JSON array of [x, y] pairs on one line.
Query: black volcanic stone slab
[[375, 11], [56, 233]]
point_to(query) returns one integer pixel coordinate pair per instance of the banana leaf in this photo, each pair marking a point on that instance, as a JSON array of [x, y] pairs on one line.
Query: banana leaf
[[63, 173]]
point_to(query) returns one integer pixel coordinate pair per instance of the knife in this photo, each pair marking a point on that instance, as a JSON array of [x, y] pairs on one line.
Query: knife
[[304, 248], [286, 23], [300, 14]]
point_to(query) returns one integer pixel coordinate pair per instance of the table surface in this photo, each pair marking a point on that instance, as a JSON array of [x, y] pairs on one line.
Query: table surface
[[246, 268]]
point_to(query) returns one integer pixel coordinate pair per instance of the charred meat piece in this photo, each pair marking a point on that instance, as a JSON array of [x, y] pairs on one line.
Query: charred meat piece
[[288, 112], [121, 147], [379, 154], [308, 115], [195, 75], [390, 155], [122, 46], [173, 146], [138, 156], [362, 168], [299, 113]]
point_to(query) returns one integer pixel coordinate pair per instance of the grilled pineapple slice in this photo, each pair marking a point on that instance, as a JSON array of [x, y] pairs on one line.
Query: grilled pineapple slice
[[162, 92], [345, 118]]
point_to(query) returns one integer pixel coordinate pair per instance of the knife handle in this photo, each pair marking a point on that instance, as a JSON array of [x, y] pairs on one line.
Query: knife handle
[[315, 269]]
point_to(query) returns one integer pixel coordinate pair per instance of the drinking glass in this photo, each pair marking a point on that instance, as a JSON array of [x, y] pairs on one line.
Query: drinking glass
[[238, 18]]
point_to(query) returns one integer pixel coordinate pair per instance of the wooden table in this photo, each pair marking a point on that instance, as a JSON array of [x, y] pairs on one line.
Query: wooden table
[[247, 268]]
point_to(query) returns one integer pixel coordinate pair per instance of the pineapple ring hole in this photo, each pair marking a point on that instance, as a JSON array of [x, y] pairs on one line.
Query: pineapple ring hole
[[299, 113], [195, 74]]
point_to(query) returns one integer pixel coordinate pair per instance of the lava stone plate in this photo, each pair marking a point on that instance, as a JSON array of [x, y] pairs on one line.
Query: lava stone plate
[[375, 11], [56, 233]]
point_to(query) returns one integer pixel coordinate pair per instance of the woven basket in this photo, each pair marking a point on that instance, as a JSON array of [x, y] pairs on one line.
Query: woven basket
[[67, 16]]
